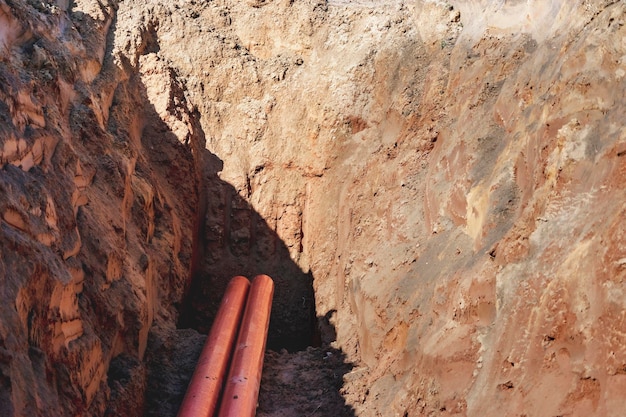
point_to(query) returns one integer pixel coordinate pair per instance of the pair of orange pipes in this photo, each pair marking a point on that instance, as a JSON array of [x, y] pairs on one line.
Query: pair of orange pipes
[[241, 390]]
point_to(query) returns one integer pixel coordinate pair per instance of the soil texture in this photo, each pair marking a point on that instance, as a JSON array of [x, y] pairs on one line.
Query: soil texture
[[304, 384]]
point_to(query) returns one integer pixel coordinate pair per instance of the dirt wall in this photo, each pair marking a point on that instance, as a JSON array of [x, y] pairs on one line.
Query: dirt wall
[[98, 199]]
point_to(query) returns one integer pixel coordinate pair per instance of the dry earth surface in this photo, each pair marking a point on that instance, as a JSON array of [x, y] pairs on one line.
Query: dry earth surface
[[437, 188]]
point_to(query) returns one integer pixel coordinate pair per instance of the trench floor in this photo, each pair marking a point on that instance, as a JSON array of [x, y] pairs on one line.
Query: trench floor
[[306, 383], [303, 384]]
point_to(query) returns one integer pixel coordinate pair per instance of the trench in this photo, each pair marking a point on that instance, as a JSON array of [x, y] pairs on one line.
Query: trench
[[233, 239], [485, 175], [302, 373]]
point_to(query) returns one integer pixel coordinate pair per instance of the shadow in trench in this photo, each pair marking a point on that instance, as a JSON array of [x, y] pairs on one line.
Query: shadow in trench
[[303, 374], [235, 240], [231, 238]]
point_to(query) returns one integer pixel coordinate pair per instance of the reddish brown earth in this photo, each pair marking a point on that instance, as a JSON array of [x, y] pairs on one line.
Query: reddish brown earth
[[438, 185]]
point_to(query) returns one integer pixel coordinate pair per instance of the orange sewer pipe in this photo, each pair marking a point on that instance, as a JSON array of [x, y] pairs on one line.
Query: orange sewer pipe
[[205, 386], [242, 386]]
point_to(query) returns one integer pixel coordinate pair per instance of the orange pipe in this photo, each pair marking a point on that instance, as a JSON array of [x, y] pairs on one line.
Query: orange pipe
[[204, 389], [242, 386]]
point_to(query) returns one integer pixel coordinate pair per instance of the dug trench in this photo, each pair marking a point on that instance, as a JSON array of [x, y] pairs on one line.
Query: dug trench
[[303, 373], [422, 178], [436, 186]]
